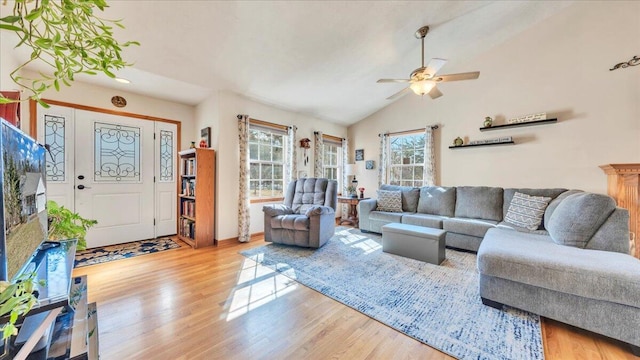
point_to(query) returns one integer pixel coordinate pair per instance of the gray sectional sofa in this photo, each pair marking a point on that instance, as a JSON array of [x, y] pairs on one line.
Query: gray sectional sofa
[[574, 267]]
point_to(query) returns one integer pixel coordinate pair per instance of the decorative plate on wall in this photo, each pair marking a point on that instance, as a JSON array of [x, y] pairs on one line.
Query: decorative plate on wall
[[119, 101]]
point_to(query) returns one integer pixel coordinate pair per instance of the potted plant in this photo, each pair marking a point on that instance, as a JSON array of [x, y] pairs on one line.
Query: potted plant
[[16, 299], [65, 224], [351, 189]]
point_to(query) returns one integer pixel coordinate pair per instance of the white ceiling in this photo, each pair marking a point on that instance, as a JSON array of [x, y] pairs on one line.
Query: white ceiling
[[319, 58]]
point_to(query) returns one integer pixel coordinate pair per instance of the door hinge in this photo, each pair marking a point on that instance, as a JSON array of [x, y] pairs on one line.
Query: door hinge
[[154, 222], [154, 136], [154, 179]]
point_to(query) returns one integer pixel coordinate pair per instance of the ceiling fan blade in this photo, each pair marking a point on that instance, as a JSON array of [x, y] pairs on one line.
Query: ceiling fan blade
[[393, 80], [435, 65], [399, 94], [455, 77], [435, 93]]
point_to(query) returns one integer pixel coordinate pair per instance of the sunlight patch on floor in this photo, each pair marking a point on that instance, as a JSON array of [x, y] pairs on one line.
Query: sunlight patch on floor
[[358, 241], [257, 286]]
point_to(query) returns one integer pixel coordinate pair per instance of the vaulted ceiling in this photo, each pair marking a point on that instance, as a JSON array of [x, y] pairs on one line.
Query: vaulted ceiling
[[319, 58]]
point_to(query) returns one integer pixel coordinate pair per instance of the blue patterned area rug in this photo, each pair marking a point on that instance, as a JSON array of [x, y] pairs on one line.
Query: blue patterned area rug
[[104, 254], [437, 305]]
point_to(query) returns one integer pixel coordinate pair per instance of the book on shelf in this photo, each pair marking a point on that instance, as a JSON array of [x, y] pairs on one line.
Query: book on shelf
[[187, 228], [189, 167], [188, 187], [189, 208]]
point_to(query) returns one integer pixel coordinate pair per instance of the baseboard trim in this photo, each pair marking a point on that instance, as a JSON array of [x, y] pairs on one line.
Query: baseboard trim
[[234, 240]]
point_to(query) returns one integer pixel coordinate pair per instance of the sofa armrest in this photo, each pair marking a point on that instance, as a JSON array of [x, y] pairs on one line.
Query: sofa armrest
[[366, 207], [319, 210], [276, 209]]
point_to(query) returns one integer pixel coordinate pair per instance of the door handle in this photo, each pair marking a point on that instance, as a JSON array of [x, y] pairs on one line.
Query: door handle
[[80, 187]]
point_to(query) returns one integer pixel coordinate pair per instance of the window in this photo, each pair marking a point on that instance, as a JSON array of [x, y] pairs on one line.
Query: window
[[267, 162], [332, 161], [406, 159]]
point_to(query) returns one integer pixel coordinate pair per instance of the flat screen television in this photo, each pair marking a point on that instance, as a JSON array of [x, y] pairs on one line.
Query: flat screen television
[[23, 199]]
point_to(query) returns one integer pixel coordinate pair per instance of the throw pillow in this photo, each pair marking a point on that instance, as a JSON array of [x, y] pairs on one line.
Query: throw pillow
[[389, 201], [578, 217], [526, 211]]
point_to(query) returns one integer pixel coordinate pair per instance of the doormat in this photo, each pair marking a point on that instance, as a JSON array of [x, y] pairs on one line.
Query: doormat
[[105, 254]]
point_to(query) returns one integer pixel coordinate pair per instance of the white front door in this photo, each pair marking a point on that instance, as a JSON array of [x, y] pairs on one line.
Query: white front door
[[105, 170], [114, 177]]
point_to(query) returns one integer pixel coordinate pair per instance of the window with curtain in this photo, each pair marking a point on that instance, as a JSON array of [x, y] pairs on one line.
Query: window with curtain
[[267, 150], [406, 159], [332, 159]]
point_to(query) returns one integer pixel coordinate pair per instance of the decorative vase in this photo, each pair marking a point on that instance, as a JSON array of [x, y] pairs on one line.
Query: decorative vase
[[458, 141], [488, 121]]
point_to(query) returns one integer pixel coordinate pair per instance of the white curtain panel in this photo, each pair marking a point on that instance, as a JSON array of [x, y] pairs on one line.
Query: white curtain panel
[[344, 211], [318, 159], [429, 175], [244, 204], [291, 170], [382, 168]]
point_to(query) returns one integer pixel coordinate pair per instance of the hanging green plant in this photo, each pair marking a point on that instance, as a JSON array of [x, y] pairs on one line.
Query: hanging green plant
[[68, 37], [65, 224]]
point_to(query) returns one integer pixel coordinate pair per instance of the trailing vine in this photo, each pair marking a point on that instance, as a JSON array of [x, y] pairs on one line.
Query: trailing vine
[[68, 37]]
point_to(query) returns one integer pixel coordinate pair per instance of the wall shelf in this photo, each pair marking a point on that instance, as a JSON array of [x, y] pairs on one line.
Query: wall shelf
[[530, 123], [488, 144]]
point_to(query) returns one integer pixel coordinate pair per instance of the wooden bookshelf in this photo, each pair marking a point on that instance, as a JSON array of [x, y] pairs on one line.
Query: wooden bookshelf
[[196, 197]]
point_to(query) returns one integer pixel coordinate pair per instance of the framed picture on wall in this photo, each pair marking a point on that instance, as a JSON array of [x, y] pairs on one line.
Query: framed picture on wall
[[205, 137], [369, 165], [360, 155]]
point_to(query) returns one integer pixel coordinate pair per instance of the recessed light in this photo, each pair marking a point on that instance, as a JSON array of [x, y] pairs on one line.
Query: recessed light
[[122, 80]]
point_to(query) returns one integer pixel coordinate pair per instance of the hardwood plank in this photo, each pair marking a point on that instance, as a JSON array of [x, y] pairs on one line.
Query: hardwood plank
[[213, 303]]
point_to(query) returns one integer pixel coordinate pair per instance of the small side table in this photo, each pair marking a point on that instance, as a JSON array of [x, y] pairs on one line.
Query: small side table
[[353, 209]]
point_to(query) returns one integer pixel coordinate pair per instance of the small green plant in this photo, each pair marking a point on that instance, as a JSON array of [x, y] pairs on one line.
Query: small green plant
[[17, 299], [65, 224], [66, 36], [351, 189]]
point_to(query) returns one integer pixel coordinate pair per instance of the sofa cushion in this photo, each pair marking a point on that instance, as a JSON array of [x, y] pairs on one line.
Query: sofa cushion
[[292, 222], [472, 227], [578, 217], [507, 226], [426, 220], [555, 202], [526, 211], [613, 235], [389, 201], [509, 192], [538, 261], [437, 200], [308, 192], [385, 216], [409, 196], [479, 202]]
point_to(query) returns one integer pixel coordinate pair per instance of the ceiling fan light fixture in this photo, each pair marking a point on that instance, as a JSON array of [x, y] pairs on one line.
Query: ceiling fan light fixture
[[422, 87]]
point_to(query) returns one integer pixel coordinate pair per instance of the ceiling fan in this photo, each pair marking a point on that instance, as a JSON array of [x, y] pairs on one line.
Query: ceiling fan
[[423, 80]]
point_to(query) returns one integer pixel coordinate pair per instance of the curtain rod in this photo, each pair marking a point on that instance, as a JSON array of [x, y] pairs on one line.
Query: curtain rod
[[265, 123], [331, 137], [433, 127]]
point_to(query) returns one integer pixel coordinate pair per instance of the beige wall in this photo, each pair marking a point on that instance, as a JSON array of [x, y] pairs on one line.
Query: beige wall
[[225, 139], [100, 97], [560, 67]]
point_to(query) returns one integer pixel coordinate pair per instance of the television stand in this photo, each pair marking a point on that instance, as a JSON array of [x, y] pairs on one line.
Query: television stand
[[62, 325]]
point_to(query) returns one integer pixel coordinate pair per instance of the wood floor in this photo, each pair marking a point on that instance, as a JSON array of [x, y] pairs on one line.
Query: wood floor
[[213, 303]]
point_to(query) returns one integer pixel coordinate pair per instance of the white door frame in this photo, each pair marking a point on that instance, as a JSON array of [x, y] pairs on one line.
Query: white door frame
[[159, 199]]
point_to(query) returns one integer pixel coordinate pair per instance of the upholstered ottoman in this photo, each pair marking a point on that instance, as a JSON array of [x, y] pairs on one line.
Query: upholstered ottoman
[[416, 242]]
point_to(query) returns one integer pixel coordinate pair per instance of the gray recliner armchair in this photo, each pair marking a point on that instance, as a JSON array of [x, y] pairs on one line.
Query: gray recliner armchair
[[307, 217]]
